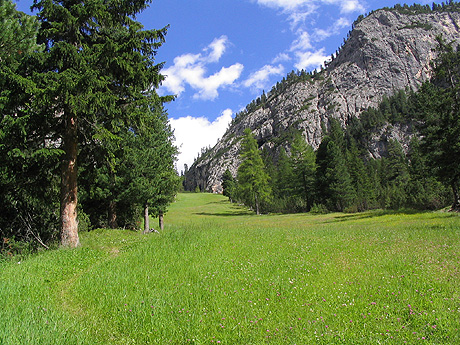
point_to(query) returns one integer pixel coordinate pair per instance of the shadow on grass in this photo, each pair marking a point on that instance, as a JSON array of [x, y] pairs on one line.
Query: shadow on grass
[[381, 213], [226, 214]]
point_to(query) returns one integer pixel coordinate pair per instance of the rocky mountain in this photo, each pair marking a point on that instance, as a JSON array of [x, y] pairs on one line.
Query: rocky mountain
[[389, 50]]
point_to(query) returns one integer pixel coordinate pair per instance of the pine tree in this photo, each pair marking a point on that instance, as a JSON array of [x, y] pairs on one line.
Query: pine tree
[[439, 104], [228, 185], [365, 194], [395, 176], [97, 68], [28, 160], [334, 186], [253, 185], [303, 169], [152, 182]]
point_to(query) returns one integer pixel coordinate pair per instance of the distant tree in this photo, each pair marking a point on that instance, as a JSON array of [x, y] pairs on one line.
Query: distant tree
[[253, 184], [303, 163], [394, 176], [361, 181], [229, 185], [284, 176], [334, 186]]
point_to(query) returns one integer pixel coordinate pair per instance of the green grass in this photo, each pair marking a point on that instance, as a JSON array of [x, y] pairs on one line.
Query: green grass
[[220, 274]]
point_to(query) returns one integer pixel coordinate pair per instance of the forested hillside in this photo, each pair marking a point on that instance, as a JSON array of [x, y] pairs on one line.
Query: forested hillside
[[348, 137]]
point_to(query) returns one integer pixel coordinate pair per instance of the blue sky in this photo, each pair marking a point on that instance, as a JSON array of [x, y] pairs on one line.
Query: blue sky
[[221, 54]]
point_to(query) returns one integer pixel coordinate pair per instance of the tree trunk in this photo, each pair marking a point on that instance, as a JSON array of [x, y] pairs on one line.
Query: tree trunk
[[161, 221], [146, 219], [113, 215], [69, 223], [456, 203], [257, 204]]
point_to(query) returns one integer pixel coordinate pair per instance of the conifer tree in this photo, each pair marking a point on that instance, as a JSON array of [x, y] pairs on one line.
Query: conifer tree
[[27, 159], [253, 185], [303, 169], [284, 176], [97, 68], [334, 185], [228, 185], [439, 104], [365, 195]]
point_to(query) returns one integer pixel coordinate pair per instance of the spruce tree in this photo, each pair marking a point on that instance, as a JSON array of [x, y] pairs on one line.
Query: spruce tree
[[253, 181], [28, 159], [365, 195], [334, 187], [439, 105], [229, 185], [97, 68], [303, 169]]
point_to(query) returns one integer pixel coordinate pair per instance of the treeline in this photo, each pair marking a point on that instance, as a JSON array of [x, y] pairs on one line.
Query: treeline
[[448, 6], [84, 138], [341, 175]]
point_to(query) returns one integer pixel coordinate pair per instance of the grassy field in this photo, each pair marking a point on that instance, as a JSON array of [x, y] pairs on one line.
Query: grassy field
[[220, 275]]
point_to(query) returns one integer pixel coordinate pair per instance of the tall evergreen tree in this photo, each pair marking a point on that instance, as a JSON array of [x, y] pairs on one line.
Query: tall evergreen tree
[[334, 185], [303, 162], [395, 176], [365, 192], [439, 104], [229, 185], [28, 159], [253, 185], [97, 68]]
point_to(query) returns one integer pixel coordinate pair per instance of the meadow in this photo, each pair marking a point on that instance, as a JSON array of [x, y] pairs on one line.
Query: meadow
[[218, 274]]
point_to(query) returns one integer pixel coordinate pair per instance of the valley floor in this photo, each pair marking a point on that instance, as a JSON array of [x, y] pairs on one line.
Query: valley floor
[[218, 274]]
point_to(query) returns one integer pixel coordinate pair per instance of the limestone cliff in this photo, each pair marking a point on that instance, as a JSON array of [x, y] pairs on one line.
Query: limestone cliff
[[387, 51]]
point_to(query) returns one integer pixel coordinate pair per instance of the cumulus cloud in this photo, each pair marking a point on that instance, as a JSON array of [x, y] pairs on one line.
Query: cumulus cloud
[[194, 133], [302, 42], [191, 70], [349, 6], [322, 34], [308, 60], [259, 79], [299, 10]]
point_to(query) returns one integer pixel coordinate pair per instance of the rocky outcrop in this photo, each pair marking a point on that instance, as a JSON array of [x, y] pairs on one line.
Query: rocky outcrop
[[385, 52]]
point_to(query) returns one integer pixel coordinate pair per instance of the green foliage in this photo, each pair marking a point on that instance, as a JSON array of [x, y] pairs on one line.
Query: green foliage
[[253, 187], [440, 111], [229, 185], [87, 87]]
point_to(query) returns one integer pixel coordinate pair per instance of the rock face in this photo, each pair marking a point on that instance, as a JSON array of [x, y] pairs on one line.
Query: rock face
[[385, 52]]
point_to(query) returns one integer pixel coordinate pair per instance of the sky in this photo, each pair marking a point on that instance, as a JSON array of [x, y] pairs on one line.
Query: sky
[[219, 55]]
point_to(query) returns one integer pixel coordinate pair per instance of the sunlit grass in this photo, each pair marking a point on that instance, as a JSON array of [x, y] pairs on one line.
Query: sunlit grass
[[220, 274]]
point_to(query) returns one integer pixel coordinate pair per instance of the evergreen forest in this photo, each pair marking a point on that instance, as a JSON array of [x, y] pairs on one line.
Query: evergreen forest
[[420, 172]]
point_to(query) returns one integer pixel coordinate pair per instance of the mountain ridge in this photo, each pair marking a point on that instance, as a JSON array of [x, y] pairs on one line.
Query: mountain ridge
[[386, 51]]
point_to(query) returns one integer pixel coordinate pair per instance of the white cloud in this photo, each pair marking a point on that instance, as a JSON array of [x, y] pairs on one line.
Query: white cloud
[[303, 42], [321, 34], [308, 60], [299, 10], [194, 133], [258, 80], [217, 48], [349, 6], [208, 86], [281, 57], [190, 69]]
